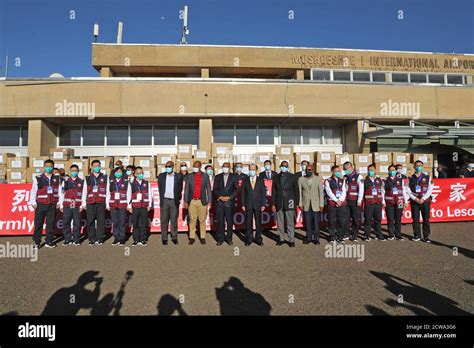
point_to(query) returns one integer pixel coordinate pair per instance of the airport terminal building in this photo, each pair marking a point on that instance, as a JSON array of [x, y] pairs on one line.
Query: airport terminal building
[[148, 98]]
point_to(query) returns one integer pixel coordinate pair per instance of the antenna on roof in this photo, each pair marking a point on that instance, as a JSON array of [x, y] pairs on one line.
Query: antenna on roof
[[119, 33], [185, 26], [96, 31]]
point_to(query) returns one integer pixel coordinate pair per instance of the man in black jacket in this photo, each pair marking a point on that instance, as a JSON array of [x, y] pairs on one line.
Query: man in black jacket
[[225, 191], [170, 186], [285, 199], [253, 197]]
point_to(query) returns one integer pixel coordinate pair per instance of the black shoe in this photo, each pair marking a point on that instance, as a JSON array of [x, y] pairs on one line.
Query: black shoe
[[219, 243], [399, 238], [175, 241], [66, 243], [366, 239], [143, 243], [259, 243], [203, 241], [306, 241], [292, 244], [115, 242], [316, 241], [280, 243], [381, 239], [91, 243], [191, 241], [426, 240], [165, 242], [122, 243], [230, 242], [247, 243], [390, 238], [76, 243], [36, 245], [416, 239], [135, 243], [50, 245], [100, 242], [332, 240], [340, 240]]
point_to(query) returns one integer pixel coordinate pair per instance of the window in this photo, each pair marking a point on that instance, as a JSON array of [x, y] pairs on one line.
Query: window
[[361, 76], [312, 135], [164, 135], [399, 78], [417, 78], [223, 134], [140, 135], [378, 77], [342, 75], [266, 135], [188, 135], [333, 135], [455, 79], [246, 135], [70, 136], [24, 136], [93, 135], [290, 135], [436, 78], [117, 135], [10, 136], [321, 75]]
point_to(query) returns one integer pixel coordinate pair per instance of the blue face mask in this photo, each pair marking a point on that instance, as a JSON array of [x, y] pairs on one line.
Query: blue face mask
[[129, 172], [419, 169], [168, 169], [96, 169], [140, 176], [74, 174], [48, 170], [284, 169], [371, 173], [337, 174], [252, 172], [238, 169], [268, 167], [393, 172], [347, 171], [210, 172], [118, 175]]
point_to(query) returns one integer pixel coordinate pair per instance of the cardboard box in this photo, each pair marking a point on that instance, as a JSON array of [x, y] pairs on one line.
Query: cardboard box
[[426, 158], [189, 163], [341, 159], [62, 154], [18, 163], [400, 158], [289, 159], [428, 170], [363, 170], [304, 156], [326, 157], [16, 176], [126, 160], [324, 168], [31, 173], [185, 151], [160, 159], [145, 162], [382, 169], [83, 164], [362, 159], [244, 158], [222, 149], [382, 157], [105, 162], [5, 157], [219, 161], [61, 165], [37, 162], [3, 170], [284, 150], [201, 155], [149, 173], [261, 157]]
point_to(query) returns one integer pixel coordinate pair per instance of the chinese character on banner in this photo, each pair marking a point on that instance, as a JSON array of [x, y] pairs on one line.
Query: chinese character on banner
[[20, 201], [457, 191], [436, 191]]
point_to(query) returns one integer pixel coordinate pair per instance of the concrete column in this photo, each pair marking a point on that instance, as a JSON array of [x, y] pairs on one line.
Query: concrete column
[[299, 75], [41, 137], [353, 142], [106, 72], [205, 73], [205, 135]]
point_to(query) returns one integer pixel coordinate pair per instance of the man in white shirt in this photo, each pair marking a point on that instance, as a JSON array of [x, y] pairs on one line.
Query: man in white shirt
[[336, 191], [355, 193]]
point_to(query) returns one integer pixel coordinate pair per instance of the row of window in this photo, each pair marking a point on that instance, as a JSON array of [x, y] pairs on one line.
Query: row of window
[[380, 77], [173, 135], [14, 136]]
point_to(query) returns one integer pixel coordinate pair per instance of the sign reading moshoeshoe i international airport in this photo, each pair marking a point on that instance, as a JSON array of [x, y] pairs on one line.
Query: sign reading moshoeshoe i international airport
[[453, 200]]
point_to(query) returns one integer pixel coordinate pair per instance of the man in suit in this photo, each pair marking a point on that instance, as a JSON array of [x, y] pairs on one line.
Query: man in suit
[[253, 197], [304, 164], [285, 199], [197, 199], [311, 202], [225, 191], [170, 186], [268, 173]]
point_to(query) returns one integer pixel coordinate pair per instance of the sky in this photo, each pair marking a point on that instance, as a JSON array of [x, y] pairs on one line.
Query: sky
[[47, 36]]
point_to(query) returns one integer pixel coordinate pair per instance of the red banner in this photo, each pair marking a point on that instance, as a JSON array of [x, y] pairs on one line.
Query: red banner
[[453, 200]]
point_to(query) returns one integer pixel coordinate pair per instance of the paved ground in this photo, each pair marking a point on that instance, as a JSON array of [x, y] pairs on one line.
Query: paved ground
[[260, 280]]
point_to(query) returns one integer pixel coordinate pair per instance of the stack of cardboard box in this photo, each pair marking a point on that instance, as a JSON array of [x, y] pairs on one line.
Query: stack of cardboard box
[[284, 153], [149, 166], [361, 161], [324, 161], [185, 155], [106, 164], [382, 160], [83, 165], [16, 169], [427, 160], [221, 152], [4, 157]]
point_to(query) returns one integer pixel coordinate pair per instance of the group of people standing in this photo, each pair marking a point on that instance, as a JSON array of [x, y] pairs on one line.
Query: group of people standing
[[347, 194]]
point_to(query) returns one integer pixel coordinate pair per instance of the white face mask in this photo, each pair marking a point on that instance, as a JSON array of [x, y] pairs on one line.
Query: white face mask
[[183, 168], [225, 170], [195, 169]]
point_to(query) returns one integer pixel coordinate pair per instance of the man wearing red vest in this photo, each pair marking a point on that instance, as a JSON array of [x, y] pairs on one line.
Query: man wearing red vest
[[119, 195], [374, 199], [93, 199], [70, 200], [44, 198], [420, 188], [335, 188], [396, 199], [141, 205], [355, 194]]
